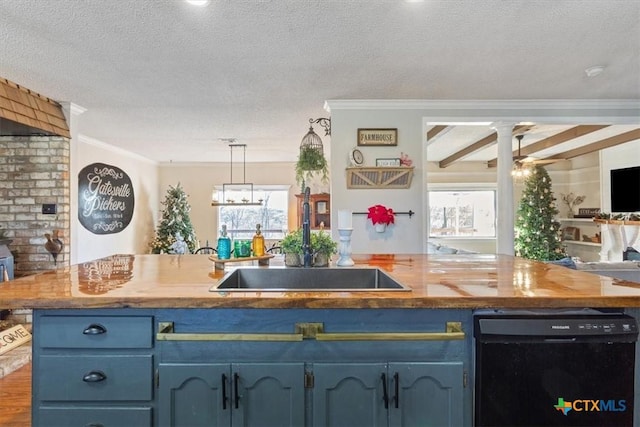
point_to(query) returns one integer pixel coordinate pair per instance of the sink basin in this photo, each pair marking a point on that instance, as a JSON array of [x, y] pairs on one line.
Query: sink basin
[[308, 280]]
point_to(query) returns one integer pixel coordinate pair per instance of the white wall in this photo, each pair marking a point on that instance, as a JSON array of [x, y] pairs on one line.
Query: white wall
[[406, 236], [144, 177]]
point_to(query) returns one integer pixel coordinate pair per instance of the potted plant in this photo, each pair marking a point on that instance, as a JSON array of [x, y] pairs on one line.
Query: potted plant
[[311, 161], [381, 217], [291, 246], [323, 247]]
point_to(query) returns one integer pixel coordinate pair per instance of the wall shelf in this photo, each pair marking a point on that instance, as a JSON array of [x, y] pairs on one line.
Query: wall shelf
[[379, 177], [576, 220], [579, 242]]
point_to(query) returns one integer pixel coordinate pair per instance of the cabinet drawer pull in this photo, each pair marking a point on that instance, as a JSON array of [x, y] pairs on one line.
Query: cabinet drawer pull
[[453, 332], [94, 377], [94, 425], [95, 329]]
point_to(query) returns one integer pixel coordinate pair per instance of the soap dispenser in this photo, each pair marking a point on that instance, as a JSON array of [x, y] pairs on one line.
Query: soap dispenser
[[224, 244], [258, 242]]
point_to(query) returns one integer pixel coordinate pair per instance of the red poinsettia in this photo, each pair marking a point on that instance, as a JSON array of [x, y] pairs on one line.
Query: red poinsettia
[[379, 214]]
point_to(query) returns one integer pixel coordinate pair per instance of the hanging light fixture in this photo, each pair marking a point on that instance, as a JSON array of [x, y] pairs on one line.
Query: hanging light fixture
[[231, 190], [520, 169]]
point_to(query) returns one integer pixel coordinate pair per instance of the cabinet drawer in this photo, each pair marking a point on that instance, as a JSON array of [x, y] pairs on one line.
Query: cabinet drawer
[[88, 378], [95, 332], [94, 416]]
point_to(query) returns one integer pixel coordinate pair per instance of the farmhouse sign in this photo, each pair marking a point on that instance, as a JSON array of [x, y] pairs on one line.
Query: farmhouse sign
[[13, 337], [378, 137], [105, 199]]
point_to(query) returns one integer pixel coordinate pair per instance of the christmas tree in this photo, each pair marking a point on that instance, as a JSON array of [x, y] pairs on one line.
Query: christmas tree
[[175, 220], [537, 234]]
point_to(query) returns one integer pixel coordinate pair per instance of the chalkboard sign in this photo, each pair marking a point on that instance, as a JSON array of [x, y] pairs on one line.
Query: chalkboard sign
[[105, 199]]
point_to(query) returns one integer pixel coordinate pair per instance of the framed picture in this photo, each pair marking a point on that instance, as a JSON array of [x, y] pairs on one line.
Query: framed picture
[[381, 137], [388, 162], [571, 233], [321, 207]]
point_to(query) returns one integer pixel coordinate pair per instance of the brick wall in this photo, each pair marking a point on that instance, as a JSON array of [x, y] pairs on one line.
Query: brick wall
[[34, 170]]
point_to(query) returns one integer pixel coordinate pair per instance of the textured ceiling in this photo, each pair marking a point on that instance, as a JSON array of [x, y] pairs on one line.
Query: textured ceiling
[[167, 80]]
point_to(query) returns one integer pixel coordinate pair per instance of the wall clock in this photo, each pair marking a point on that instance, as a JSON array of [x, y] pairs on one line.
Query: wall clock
[[356, 157]]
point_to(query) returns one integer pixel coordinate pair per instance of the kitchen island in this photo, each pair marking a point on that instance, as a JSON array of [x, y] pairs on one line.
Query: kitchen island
[[142, 340]]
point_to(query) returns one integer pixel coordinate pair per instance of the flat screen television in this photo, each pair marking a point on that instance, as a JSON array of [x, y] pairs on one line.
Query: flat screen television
[[625, 189]]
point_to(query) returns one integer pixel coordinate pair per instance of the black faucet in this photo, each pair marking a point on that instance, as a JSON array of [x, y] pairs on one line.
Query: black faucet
[[307, 254]]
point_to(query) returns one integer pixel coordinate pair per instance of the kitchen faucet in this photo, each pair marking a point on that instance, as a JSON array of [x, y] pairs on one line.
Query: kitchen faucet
[[306, 230]]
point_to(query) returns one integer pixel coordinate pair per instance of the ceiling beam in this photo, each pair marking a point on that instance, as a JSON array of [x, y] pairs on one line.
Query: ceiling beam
[[478, 145], [434, 131], [549, 142], [622, 138]]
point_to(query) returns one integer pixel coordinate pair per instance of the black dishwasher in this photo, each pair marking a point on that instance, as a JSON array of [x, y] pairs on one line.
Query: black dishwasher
[[554, 368]]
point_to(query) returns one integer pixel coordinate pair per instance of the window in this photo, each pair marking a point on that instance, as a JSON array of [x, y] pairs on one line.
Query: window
[[272, 215], [465, 213]]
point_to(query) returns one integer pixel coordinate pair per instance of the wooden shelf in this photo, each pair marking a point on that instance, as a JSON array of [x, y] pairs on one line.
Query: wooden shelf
[[379, 177], [616, 221], [576, 220], [219, 263], [579, 242]]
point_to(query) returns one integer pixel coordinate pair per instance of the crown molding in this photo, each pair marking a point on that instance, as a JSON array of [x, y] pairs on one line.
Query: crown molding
[[103, 145], [593, 111]]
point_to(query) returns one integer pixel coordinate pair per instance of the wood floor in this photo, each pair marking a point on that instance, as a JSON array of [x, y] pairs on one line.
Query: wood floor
[[15, 398]]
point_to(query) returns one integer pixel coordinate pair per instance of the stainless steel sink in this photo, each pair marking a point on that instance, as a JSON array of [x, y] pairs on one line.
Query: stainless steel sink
[[308, 280]]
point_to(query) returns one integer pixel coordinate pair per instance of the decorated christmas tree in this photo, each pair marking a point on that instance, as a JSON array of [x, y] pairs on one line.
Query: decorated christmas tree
[[175, 220], [537, 234]]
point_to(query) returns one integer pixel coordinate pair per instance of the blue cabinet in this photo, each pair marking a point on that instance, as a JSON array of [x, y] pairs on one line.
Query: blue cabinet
[[238, 394], [92, 369], [388, 394], [250, 367]]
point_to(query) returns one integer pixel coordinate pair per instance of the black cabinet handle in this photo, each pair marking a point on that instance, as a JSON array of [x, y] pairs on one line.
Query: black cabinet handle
[[396, 380], [94, 425], [236, 396], [95, 329], [224, 391], [385, 395], [94, 377]]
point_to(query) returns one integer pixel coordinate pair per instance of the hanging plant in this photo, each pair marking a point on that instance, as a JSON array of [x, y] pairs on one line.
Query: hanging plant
[[311, 161]]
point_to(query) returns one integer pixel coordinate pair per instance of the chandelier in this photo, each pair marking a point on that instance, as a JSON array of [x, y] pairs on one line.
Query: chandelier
[[520, 170], [236, 193]]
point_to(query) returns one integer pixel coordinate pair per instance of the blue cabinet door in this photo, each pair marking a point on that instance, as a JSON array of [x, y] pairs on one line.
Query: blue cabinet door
[[349, 394], [268, 395], [426, 394], [192, 395], [240, 395]]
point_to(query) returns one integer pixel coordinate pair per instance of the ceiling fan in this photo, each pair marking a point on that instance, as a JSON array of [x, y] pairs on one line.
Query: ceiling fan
[[521, 160]]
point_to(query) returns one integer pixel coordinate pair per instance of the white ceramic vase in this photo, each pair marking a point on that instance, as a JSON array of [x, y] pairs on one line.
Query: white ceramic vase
[[380, 227]]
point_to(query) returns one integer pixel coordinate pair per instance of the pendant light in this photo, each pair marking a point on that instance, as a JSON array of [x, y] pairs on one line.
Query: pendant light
[[228, 188]]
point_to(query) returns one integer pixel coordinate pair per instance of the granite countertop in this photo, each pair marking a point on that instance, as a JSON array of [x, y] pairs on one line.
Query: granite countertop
[[436, 281]]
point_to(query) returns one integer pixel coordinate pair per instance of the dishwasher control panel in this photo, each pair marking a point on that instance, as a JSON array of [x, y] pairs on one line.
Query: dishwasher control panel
[[617, 327]]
